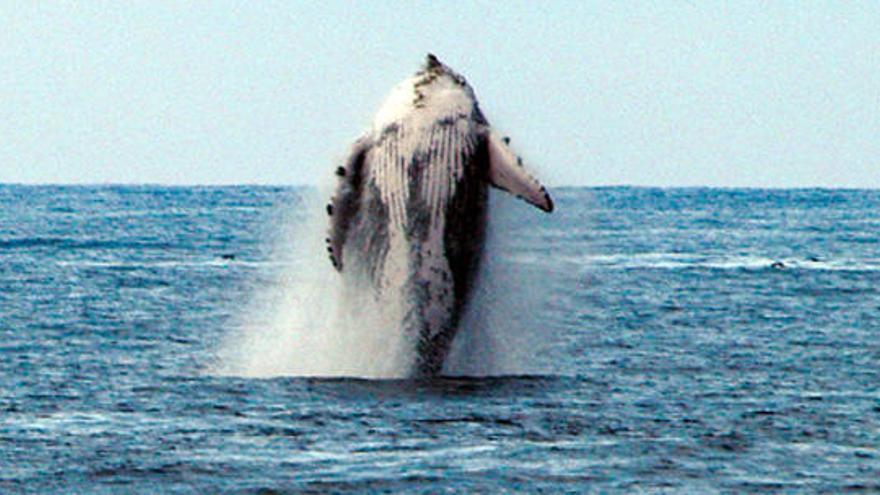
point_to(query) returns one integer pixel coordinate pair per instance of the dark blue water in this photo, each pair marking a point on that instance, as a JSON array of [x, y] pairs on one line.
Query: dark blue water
[[693, 340]]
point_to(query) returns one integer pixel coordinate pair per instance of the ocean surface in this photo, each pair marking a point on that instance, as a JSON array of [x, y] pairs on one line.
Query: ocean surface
[[663, 341]]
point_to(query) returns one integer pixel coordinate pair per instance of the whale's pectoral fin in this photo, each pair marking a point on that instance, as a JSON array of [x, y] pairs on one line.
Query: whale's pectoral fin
[[506, 172], [344, 204]]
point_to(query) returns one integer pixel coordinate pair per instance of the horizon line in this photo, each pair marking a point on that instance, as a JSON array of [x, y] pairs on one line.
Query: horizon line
[[318, 186]]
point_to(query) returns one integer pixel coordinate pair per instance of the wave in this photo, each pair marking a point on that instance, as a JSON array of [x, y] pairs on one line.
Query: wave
[[684, 261], [85, 244], [219, 262]]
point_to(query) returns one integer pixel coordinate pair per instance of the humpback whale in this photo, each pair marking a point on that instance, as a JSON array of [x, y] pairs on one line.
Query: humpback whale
[[408, 217]]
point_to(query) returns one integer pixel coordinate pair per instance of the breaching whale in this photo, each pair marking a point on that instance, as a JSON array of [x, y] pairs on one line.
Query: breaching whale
[[409, 213]]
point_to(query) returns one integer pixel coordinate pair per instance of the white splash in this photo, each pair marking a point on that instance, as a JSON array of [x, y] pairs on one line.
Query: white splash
[[502, 332], [304, 322]]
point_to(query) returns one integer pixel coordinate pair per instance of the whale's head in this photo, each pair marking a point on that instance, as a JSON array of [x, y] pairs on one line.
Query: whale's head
[[436, 78], [436, 72], [435, 90]]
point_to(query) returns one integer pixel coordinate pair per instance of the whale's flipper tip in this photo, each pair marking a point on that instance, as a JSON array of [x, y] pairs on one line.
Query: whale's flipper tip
[[507, 173], [550, 206]]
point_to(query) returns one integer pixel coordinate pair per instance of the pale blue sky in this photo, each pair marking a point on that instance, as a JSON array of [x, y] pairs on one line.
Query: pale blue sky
[[776, 94]]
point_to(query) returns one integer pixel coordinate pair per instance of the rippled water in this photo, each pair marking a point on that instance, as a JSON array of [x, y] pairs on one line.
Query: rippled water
[[692, 340]]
